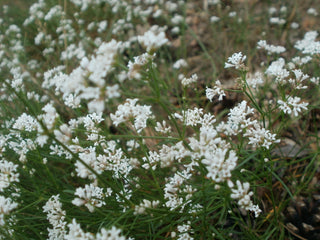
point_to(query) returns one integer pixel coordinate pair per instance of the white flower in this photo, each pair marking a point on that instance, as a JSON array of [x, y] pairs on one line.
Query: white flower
[[272, 10], [177, 19], [214, 19], [56, 217], [153, 39], [278, 21], [6, 206], [312, 11], [172, 189], [191, 117], [255, 79], [102, 26], [76, 232], [238, 119], [294, 25], [130, 111], [211, 93], [172, 153], [185, 230], [162, 127], [26, 122], [50, 115], [180, 63], [236, 61], [277, 69], [110, 234], [72, 101], [259, 136], [113, 91], [152, 160], [91, 120], [8, 174], [63, 134], [187, 81], [262, 44], [309, 45], [243, 195], [90, 196], [292, 105], [135, 67], [90, 158], [301, 60], [219, 166], [298, 81], [96, 106], [141, 208]]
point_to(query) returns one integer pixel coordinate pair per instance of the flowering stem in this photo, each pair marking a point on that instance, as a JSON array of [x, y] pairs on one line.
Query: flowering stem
[[181, 135], [249, 94]]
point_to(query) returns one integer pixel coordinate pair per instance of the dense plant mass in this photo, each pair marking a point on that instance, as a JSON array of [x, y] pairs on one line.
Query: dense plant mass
[[152, 119]]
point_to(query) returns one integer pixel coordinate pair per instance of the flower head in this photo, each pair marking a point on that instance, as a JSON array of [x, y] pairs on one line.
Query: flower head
[[236, 61]]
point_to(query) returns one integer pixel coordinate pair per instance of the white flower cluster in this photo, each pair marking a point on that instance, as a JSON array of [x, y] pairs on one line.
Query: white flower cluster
[[292, 105], [112, 234], [56, 217], [236, 61], [187, 81], [26, 123], [130, 111], [8, 174], [300, 78], [277, 69], [277, 21], [180, 64], [134, 68], [211, 93], [173, 190], [90, 123], [254, 80], [262, 44], [153, 39], [142, 207], [6, 206], [191, 117], [242, 194], [309, 45], [74, 86], [162, 127], [21, 146], [169, 154], [90, 196], [88, 156], [301, 60], [239, 120], [113, 160], [76, 232], [219, 164], [151, 161], [214, 19], [49, 116], [259, 136], [184, 231], [312, 11]]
